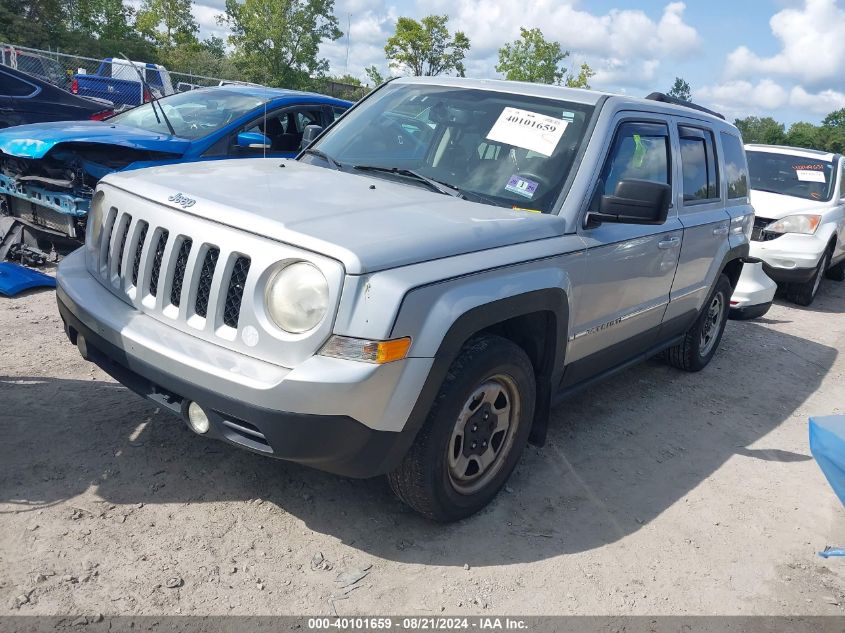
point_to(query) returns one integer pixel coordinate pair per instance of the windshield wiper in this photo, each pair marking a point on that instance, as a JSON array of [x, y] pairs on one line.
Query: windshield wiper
[[321, 154], [153, 101], [440, 187]]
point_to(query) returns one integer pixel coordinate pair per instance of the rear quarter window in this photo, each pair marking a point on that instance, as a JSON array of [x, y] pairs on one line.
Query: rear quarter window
[[736, 166], [14, 87]]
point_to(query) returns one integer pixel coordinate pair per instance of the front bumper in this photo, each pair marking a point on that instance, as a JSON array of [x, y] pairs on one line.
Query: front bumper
[[791, 258], [754, 287], [331, 414]]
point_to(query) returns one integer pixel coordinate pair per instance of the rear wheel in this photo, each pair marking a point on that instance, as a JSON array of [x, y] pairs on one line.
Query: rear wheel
[[474, 435], [702, 339], [804, 294]]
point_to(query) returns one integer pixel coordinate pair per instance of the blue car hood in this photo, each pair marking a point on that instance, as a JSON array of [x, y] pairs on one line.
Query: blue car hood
[[34, 141]]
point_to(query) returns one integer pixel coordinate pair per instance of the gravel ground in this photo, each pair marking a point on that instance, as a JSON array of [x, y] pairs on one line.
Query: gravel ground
[[658, 492]]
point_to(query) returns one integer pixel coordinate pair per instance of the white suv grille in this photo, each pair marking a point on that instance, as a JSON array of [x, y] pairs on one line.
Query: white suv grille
[[200, 276]]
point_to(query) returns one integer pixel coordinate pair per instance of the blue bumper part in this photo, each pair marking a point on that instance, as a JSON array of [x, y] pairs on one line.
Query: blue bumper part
[[14, 278], [57, 201], [827, 443]]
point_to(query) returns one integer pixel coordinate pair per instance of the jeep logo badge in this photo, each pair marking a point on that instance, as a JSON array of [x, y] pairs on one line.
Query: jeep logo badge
[[182, 201]]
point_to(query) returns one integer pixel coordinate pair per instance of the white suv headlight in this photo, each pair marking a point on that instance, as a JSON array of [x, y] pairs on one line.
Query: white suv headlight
[[806, 224], [297, 297]]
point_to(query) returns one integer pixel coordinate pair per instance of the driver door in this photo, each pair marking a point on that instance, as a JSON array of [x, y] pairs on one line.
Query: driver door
[[623, 289]]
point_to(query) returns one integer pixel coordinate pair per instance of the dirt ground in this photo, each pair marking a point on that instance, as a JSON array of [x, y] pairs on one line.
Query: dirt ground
[[658, 492]]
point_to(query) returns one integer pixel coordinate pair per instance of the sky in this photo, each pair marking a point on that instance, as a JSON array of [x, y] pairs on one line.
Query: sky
[[780, 58]]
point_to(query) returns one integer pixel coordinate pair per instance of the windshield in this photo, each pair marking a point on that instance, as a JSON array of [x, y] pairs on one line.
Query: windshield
[[192, 114], [807, 178], [500, 148]]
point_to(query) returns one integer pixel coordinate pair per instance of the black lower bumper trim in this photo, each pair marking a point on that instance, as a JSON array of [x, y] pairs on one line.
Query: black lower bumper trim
[[790, 276], [334, 443]]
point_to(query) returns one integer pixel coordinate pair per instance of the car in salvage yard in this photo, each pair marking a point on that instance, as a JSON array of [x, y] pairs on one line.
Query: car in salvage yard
[[48, 171], [411, 298], [799, 230]]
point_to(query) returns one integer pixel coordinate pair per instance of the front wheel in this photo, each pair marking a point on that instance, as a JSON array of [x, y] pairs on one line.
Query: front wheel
[[805, 293], [702, 339], [474, 435]]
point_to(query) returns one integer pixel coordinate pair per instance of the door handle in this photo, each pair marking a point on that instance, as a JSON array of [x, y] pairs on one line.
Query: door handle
[[722, 230], [671, 242]]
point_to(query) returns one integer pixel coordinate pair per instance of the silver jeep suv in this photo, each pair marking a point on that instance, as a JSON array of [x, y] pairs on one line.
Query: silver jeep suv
[[412, 294]]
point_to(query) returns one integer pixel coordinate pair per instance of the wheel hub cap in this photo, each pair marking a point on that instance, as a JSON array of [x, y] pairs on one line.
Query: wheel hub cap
[[482, 434]]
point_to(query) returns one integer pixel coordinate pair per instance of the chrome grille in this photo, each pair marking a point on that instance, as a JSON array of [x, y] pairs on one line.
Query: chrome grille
[[209, 263], [156, 268], [235, 293], [139, 246], [179, 271], [159, 253]]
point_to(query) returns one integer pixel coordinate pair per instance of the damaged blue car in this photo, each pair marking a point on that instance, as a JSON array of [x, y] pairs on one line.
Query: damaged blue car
[[48, 171]]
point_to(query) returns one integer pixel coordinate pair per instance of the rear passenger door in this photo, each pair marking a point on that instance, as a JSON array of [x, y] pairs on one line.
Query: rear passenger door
[[623, 289], [701, 210]]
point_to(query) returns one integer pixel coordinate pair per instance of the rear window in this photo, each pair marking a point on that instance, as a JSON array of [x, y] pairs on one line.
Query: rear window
[[698, 163], [736, 167], [14, 87]]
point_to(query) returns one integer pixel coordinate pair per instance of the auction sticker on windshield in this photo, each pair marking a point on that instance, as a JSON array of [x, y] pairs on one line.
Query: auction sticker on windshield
[[528, 130], [522, 186], [810, 175]]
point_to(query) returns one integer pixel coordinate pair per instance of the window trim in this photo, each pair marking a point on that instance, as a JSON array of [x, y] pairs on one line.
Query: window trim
[[636, 121], [700, 133]]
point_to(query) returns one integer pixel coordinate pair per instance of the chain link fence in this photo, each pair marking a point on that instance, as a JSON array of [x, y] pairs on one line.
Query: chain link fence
[[120, 81]]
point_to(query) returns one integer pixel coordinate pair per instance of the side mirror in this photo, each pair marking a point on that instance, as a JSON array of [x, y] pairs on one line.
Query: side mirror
[[309, 134], [634, 202], [253, 140]]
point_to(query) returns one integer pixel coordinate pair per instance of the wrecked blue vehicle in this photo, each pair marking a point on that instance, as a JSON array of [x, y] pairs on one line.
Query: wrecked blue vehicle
[[48, 171]]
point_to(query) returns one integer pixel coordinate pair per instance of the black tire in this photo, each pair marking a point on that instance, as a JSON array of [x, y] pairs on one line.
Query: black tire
[[424, 480], [751, 312], [804, 294], [701, 341], [836, 272]]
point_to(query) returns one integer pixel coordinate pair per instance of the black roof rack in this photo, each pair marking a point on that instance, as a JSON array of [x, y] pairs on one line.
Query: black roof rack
[[664, 98]]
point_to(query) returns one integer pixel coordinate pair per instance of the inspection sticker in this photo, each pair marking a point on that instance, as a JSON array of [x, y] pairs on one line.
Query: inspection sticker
[[810, 175], [528, 130], [522, 186]]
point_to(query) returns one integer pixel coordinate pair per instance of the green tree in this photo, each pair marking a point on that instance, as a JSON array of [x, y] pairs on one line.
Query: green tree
[[681, 90], [277, 42], [168, 22], [761, 130], [375, 76], [534, 58], [835, 119], [582, 79], [426, 47], [207, 58], [803, 134], [36, 23]]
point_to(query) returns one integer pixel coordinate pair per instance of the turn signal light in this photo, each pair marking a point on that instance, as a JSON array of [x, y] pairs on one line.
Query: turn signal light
[[378, 352]]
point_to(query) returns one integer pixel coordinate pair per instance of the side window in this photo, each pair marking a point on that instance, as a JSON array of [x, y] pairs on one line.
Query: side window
[[736, 167], [336, 112], [640, 151], [698, 164], [13, 87]]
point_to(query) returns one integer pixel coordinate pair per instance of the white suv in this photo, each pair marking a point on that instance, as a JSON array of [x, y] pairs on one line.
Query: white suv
[[799, 231]]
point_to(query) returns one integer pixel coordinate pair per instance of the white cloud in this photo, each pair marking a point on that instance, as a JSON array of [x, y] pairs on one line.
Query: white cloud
[[821, 103], [622, 46], [812, 40], [739, 98]]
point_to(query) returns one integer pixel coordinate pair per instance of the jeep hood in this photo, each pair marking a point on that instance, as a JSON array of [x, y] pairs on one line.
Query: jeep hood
[[366, 222], [36, 140], [774, 206]]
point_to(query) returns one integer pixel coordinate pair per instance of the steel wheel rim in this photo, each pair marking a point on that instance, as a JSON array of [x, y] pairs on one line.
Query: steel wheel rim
[[479, 445], [712, 324]]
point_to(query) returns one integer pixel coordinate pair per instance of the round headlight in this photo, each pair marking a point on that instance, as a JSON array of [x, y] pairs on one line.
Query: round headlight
[[297, 297]]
